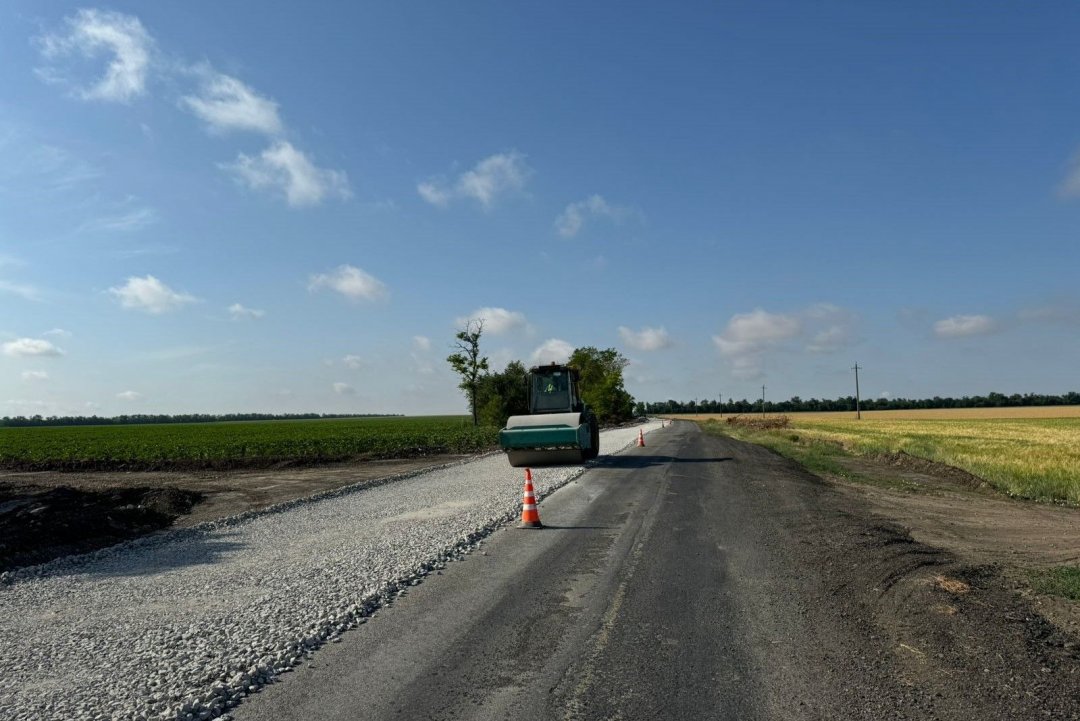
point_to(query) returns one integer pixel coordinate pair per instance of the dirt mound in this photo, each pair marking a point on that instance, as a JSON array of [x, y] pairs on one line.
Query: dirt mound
[[760, 423], [38, 524], [902, 460]]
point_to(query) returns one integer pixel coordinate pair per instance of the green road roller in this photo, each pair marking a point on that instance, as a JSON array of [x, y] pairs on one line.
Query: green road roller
[[559, 430]]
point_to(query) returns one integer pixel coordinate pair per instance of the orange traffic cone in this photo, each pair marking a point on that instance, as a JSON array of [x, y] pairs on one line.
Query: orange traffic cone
[[640, 439], [530, 517]]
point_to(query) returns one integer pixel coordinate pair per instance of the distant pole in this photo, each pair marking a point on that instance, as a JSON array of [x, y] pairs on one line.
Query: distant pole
[[858, 408], [721, 397], [763, 401]]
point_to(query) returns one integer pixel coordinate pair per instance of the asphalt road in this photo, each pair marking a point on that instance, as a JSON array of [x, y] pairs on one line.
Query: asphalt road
[[696, 578]]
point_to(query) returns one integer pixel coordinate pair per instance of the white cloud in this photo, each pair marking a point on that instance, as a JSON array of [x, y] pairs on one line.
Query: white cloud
[[832, 328], [240, 312], [281, 168], [421, 343], [30, 347], [35, 376], [129, 396], [884, 394], [493, 176], [749, 335], [135, 219], [91, 33], [150, 295], [353, 361], [24, 291], [496, 320], [961, 326], [824, 327], [344, 389], [351, 282], [58, 332], [573, 218], [553, 350], [225, 103], [646, 338]]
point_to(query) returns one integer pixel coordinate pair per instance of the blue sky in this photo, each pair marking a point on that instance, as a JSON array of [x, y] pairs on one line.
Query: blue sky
[[215, 207]]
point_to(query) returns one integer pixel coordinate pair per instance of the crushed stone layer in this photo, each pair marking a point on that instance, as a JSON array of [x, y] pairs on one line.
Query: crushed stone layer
[[184, 625]]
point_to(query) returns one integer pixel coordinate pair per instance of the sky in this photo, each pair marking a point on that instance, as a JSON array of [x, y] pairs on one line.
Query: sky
[[241, 207]]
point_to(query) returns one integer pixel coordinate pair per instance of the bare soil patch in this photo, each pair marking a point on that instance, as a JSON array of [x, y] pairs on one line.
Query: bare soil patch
[[48, 514], [947, 508]]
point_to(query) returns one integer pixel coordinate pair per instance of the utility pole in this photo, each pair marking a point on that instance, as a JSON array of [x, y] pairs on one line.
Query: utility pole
[[858, 409], [763, 401]]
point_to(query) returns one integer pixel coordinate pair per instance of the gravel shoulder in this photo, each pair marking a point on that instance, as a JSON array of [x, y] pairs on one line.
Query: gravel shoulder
[[46, 515]]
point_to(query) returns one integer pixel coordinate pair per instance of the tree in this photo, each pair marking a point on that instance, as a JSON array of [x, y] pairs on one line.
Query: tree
[[602, 383], [467, 361], [505, 394]]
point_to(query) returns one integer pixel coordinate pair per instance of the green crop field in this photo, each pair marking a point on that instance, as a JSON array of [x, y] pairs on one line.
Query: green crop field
[[238, 444], [1037, 458]]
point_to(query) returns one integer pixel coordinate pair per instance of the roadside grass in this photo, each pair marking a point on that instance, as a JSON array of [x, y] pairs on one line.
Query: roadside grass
[[1062, 581], [818, 457], [1031, 458]]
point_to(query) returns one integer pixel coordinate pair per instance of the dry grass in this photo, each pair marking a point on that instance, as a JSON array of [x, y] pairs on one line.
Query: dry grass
[[1033, 457]]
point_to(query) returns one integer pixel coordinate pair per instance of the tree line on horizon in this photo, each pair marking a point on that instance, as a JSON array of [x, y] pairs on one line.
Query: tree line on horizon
[[148, 419], [847, 403]]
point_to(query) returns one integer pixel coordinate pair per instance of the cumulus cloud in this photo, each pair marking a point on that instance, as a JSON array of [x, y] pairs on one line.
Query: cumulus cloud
[[225, 103], [30, 347], [344, 389], [351, 282], [962, 326], [573, 218], [240, 312], [831, 328], [647, 339], [354, 362], [129, 395], [91, 33], [492, 177], [150, 295], [35, 376], [822, 328], [496, 320], [284, 170], [553, 350], [421, 343]]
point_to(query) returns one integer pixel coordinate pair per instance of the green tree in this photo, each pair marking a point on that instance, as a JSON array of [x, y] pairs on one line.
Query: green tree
[[602, 383], [505, 394], [468, 363]]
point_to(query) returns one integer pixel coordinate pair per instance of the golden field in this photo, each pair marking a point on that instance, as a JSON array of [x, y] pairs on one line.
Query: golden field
[[925, 413], [1035, 456]]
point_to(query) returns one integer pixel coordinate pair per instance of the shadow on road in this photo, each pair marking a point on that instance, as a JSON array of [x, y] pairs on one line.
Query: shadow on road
[[630, 461], [196, 549]]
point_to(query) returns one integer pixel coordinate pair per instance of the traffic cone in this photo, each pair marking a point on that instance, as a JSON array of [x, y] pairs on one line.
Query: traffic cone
[[530, 517], [640, 439]]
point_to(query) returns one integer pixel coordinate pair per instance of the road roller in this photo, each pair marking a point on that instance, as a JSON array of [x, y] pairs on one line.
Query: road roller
[[560, 428]]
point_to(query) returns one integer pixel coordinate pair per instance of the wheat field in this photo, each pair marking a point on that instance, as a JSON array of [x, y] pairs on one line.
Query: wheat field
[[1033, 455]]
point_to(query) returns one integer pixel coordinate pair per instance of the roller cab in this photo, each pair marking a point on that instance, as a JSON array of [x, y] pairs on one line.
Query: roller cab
[[559, 430]]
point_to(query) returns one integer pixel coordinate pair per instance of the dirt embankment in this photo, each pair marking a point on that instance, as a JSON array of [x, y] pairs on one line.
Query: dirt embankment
[[45, 515]]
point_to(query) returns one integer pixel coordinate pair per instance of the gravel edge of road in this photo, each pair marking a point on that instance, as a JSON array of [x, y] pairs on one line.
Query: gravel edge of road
[[8, 578]]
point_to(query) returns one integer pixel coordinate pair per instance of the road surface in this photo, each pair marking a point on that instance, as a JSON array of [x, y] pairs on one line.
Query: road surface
[[698, 577]]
